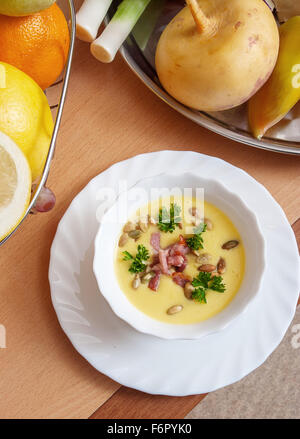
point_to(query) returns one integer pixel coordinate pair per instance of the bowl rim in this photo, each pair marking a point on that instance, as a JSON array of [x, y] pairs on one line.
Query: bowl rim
[[193, 334]]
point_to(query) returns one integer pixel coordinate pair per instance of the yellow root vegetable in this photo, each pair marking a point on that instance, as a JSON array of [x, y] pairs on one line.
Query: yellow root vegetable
[[215, 54]]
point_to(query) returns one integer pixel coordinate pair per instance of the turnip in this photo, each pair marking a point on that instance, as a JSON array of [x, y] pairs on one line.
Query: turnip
[[215, 54]]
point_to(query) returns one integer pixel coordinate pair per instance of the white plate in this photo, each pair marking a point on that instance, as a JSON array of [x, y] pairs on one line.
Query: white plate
[[175, 367]]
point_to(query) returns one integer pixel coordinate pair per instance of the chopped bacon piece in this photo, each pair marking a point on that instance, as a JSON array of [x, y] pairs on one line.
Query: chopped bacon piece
[[182, 241], [163, 254], [155, 260], [155, 241], [180, 279], [176, 260], [154, 281], [183, 265], [163, 259], [179, 249], [156, 267]]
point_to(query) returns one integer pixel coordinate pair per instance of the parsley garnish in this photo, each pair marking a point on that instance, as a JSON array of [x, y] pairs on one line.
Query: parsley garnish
[[203, 282], [168, 220], [199, 295], [217, 284], [137, 265], [196, 241]]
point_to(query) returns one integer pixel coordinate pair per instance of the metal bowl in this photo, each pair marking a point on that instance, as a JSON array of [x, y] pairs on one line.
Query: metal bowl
[[139, 52]]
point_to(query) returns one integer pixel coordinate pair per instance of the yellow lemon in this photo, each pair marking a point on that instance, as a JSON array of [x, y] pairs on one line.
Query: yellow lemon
[[15, 185], [25, 116]]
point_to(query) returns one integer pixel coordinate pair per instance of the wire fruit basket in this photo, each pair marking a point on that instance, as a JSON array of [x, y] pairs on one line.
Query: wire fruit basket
[[56, 95]]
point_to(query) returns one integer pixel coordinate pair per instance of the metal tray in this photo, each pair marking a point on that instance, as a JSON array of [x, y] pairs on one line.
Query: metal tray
[[56, 95], [232, 123]]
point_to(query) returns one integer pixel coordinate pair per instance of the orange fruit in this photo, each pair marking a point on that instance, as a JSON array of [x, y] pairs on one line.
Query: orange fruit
[[37, 44]]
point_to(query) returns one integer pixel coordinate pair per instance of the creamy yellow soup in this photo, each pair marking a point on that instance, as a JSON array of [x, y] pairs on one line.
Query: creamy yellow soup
[[156, 304]]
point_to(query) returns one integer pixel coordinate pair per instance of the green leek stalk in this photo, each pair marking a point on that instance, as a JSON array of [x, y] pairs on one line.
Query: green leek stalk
[[106, 46], [146, 25]]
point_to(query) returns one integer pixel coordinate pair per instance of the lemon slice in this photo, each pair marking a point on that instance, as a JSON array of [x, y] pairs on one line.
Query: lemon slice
[[15, 185]]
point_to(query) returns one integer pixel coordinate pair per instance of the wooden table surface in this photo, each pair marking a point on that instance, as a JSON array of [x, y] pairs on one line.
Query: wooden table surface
[[109, 116]]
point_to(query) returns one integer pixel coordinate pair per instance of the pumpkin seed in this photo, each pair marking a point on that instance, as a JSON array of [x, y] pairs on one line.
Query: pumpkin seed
[[129, 227], [143, 226], [203, 258], [123, 239], [151, 220], [207, 267], [194, 211], [221, 266], [188, 290], [147, 277], [230, 244], [209, 224], [174, 309], [135, 234], [136, 281], [196, 221]]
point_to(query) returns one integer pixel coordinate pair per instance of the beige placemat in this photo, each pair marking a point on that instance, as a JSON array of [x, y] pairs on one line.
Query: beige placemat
[[272, 391]]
